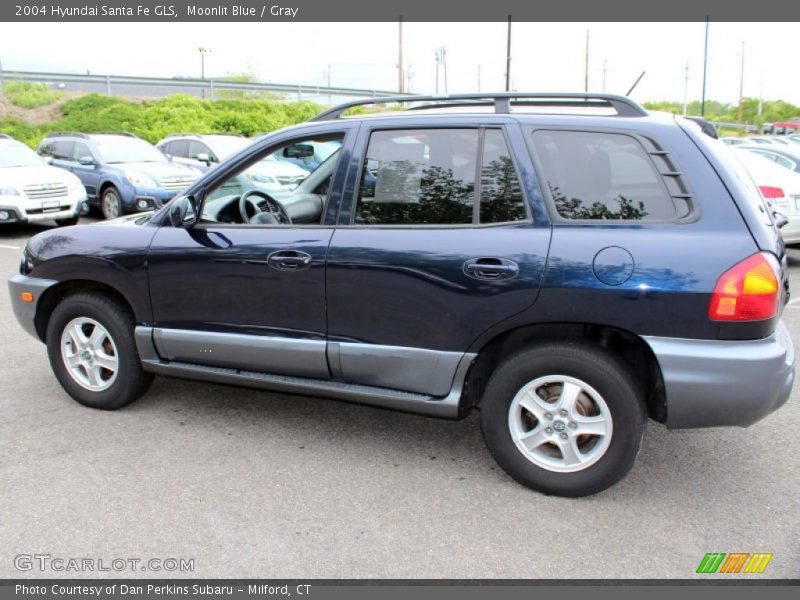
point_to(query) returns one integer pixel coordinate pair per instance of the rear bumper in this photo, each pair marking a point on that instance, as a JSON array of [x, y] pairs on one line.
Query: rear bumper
[[710, 383], [25, 312]]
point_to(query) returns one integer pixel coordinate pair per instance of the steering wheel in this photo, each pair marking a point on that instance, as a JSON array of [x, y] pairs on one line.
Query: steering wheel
[[260, 216]]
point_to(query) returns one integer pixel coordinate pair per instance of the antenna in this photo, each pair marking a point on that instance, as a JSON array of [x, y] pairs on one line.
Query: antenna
[[635, 83]]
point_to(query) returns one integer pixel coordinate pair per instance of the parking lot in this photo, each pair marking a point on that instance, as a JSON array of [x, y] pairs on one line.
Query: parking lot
[[255, 484]]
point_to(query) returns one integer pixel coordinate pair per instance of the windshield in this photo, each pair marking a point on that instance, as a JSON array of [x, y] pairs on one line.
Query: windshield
[[225, 145], [126, 150], [18, 155]]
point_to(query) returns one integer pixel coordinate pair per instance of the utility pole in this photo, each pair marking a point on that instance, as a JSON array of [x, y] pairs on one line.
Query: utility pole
[[705, 69], [444, 57], [400, 73], [741, 89], [508, 56], [685, 86], [329, 84], [586, 65], [203, 52], [441, 59], [760, 95], [605, 70]]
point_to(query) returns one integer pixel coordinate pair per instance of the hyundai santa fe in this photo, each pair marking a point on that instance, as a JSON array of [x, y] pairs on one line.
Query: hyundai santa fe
[[570, 265]]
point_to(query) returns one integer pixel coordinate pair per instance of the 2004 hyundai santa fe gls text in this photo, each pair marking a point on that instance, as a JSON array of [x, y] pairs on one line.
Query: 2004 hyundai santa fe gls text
[[569, 264]]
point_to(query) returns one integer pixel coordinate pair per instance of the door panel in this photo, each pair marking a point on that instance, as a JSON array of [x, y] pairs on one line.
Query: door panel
[[408, 287], [217, 279]]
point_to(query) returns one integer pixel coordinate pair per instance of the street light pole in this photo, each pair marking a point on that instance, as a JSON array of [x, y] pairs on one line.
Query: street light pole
[[705, 67], [203, 52], [508, 56]]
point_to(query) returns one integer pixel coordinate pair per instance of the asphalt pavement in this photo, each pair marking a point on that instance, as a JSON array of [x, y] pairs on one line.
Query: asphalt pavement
[[248, 483]]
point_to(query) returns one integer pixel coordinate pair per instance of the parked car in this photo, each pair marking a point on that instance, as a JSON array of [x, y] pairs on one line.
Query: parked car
[[121, 172], [551, 269], [207, 151], [735, 141], [32, 191], [312, 160], [779, 186], [767, 140], [785, 158]]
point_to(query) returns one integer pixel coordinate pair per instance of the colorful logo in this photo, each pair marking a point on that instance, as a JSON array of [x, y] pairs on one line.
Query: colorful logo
[[734, 562]]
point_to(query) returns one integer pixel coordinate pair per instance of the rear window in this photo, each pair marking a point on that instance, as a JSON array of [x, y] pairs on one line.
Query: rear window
[[602, 176]]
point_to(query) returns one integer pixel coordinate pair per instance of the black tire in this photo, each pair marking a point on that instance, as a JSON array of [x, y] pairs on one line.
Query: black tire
[[602, 371], [131, 380], [110, 203], [67, 222]]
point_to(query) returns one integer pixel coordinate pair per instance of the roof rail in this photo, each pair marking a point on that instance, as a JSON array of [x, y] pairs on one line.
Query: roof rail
[[197, 135], [4, 136], [123, 133], [66, 133], [502, 102]]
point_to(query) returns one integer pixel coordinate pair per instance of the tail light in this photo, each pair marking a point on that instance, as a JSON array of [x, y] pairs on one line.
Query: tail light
[[771, 192], [774, 194], [748, 291]]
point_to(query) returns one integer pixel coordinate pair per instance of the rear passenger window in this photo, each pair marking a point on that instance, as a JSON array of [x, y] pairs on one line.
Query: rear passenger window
[[602, 176], [428, 177], [419, 177], [501, 194], [63, 150], [179, 148]]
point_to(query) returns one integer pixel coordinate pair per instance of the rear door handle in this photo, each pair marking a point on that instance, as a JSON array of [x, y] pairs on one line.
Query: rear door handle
[[289, 260], [491, 268]]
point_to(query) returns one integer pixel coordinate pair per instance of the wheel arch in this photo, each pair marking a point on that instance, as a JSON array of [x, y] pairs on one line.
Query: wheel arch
[[627, 346], [57, 293]]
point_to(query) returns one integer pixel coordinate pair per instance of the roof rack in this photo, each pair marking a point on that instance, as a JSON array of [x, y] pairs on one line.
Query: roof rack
[[502, 101], [196, 135], [123, 133], [66, 133]]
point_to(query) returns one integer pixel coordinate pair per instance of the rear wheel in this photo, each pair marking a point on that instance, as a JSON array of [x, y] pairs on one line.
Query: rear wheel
[[110, 203], [92, 352], [563, 418]]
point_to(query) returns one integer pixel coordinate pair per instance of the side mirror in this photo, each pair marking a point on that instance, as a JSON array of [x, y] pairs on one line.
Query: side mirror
[[86, 161], [298, 151], [203, 157], [183, 212], [780, 219], [48, 160]]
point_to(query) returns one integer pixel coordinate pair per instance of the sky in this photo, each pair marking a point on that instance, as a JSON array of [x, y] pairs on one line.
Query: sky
[[545, 56]]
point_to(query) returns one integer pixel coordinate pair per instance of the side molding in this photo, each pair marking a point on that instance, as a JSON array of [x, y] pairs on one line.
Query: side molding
[[445, 406]]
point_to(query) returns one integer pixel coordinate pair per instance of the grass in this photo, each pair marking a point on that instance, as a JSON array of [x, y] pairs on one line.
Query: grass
[[30, 95]]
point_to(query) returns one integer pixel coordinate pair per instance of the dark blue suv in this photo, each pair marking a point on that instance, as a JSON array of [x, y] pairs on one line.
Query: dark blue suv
[[121, 172], [568, 264]]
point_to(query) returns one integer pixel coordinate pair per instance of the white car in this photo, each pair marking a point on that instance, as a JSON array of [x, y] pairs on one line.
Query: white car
[[779, 186], [205, 152], [32, 191]]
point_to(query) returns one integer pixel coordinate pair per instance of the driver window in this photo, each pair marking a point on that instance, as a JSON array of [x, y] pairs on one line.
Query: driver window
[[286, 186]]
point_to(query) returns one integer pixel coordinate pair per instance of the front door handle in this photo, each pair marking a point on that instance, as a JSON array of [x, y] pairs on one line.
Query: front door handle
[[491, 268], [289, 260]]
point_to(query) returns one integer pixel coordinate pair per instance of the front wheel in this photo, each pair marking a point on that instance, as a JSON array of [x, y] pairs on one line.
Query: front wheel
[[110, 204], [563, 418], [91, 350]]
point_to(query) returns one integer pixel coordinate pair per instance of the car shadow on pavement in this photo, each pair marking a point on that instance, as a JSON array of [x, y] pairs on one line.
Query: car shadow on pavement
[[672, 466]]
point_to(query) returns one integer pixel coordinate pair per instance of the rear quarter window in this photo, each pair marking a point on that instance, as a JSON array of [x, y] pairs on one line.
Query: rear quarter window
[[602, 176]]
